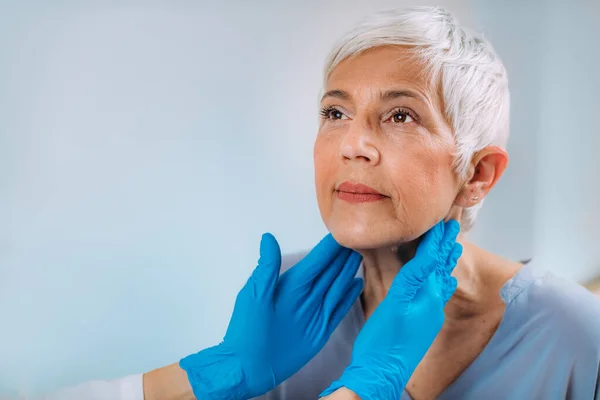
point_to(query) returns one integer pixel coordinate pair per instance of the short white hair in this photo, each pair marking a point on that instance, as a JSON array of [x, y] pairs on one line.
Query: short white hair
[[473, 80]]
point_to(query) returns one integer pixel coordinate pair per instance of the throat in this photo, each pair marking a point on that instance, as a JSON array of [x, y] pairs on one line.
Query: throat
[[380, 267]]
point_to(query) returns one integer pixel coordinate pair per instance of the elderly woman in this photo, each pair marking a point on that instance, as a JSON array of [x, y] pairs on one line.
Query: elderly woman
[[414, 124]]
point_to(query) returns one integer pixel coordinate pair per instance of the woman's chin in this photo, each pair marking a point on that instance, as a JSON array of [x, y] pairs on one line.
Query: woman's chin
[[360, 241]]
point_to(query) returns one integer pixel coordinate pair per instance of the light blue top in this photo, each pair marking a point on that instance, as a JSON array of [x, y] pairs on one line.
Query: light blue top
[[546, 347]]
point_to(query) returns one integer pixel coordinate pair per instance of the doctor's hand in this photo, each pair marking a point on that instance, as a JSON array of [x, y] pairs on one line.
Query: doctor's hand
[[402, 328], [279, 323]]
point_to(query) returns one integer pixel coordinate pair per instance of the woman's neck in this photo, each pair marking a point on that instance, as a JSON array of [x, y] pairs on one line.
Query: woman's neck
[[380, 268], [480, 276]]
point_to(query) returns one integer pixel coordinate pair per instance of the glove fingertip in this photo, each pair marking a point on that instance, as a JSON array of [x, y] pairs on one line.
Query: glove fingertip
[[270, 253], [455, 254], [358, 284], [319, 257], [450, 288], [328, 243], [453, 227], [354, 291], [430, 242], [439, 230], [354, 261], [457, 251], [265, 275]]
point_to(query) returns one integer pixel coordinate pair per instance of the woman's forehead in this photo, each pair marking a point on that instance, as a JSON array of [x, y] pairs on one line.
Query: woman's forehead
[[382, 72]]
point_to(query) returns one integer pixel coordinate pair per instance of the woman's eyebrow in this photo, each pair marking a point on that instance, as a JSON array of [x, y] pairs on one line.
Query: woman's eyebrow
[[336, 93], [394, 94], [384, 96]]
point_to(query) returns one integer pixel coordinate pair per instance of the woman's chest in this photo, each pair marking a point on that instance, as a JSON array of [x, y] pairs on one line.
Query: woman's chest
[[449, 357]]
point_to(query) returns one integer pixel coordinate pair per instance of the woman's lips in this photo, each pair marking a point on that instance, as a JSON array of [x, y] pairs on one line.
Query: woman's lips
[[357, 193]]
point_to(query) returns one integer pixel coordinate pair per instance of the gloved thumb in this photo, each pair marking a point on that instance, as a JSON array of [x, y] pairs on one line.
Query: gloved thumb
[[266, 273]]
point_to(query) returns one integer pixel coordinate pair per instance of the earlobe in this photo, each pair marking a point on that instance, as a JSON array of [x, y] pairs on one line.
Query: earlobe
[[471, 194]]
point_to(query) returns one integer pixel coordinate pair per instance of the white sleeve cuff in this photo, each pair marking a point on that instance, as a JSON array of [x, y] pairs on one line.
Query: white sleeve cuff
[[128, 388], [131, 387]]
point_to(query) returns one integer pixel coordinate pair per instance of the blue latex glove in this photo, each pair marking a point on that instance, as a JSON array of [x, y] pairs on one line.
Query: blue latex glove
[[279, 323], [402, 328]]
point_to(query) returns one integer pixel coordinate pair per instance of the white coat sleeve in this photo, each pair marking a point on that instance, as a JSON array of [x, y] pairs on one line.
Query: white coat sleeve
[[127, 388]]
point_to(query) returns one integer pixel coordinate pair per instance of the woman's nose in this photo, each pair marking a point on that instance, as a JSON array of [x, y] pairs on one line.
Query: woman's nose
[[358, 144]]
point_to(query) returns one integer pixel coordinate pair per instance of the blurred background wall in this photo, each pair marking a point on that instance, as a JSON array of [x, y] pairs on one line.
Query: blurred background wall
[[146, 146]]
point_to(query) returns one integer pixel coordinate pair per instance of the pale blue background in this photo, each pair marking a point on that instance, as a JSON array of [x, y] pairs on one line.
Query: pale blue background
[[145, 147]]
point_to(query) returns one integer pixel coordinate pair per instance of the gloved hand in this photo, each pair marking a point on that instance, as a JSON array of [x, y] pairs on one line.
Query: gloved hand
[[279, 323], [402, 328]]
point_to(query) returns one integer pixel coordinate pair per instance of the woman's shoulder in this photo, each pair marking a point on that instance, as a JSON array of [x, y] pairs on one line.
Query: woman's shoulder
[[559, 306]]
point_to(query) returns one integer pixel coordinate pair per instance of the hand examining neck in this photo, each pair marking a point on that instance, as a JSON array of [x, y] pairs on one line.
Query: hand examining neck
[[382, 265], [479, 274]]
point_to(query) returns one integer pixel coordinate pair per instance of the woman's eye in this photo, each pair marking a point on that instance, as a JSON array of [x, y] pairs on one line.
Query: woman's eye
[[402, 117], [333, 114]]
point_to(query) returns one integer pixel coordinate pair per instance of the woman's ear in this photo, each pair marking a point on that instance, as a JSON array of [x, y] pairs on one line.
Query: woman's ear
[[486, 168]]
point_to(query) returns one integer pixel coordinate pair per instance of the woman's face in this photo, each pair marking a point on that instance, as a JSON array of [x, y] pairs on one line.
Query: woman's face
[[382, 126]]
